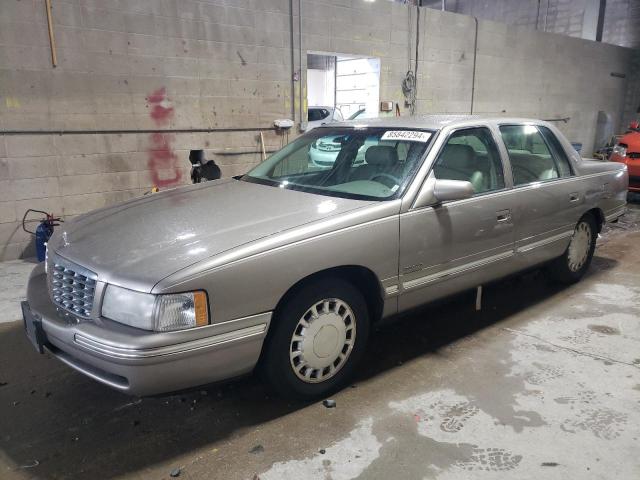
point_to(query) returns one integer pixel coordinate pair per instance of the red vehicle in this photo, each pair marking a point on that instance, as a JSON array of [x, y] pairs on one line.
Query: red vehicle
[[627, 151]]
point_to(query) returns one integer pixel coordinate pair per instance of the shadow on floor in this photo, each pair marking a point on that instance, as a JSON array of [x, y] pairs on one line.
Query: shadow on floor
[[74, 427]]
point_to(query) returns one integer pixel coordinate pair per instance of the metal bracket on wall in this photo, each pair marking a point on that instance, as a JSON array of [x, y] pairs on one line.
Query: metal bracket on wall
[[52, 39]]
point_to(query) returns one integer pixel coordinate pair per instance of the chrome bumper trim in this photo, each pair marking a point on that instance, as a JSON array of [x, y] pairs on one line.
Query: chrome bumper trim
[[95, 346]]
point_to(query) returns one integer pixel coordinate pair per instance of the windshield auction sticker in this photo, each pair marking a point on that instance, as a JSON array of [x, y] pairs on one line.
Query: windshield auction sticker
[[406, 135]]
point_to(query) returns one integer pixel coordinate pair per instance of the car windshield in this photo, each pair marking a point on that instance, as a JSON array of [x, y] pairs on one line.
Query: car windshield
[[349, 162]]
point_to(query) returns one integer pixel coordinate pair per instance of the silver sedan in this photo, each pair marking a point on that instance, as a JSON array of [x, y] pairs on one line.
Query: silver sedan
[[286, 268]]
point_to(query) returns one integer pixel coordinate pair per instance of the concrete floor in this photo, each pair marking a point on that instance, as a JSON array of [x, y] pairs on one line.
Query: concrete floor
[[544, 382]]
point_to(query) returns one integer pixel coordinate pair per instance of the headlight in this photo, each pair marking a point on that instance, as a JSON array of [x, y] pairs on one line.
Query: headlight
[[620, 150], [160, 313]]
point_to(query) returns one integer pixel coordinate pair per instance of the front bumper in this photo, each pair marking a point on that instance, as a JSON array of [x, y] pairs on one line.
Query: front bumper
[[140, 362], [322, 158]]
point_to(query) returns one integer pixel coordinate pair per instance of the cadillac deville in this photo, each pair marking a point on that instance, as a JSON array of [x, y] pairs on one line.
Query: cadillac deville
[[285, 269]]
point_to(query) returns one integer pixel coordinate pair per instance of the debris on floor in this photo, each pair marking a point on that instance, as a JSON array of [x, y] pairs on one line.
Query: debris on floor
[[329, 403]]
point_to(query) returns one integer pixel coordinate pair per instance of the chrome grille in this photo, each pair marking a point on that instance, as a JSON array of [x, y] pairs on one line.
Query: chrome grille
[[72, 287]]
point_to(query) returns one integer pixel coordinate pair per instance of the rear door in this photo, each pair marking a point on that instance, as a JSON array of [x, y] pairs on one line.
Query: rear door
[[459, 244], [549, 199]]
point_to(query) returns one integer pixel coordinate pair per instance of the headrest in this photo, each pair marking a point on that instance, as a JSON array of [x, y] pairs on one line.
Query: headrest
[[460, 156], [381, 155]]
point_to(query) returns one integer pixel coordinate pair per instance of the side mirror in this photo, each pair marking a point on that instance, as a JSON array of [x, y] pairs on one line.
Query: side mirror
[[436, 191], [452, 190]]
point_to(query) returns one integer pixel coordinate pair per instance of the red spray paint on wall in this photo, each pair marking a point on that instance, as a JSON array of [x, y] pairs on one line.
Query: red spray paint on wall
[[163, 162]]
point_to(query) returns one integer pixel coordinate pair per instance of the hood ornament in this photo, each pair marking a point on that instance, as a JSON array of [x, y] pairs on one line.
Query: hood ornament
[[65, 240]]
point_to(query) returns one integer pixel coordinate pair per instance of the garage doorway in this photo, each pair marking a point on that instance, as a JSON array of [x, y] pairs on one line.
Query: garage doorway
[[341, 87]]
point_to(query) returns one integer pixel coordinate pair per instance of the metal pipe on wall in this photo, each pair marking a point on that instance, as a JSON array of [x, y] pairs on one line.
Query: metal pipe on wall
[[127, 132], [293, 67], [473, 74], [302, 121], [52, 39]]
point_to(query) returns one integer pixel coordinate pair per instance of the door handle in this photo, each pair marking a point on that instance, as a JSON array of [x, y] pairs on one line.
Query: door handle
[[574, 197], [503, 216]]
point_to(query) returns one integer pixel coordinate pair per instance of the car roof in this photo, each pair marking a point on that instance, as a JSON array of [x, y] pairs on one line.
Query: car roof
[[431, 122]]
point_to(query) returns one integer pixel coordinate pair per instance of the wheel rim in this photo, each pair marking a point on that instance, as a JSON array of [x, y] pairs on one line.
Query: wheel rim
[[579, 247], [323, 340]]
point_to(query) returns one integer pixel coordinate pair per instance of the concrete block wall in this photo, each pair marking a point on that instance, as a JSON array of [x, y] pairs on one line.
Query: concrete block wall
[[632, 97], [524, 72], [621, 23], [567, 17], [556, 16], [193, 64]]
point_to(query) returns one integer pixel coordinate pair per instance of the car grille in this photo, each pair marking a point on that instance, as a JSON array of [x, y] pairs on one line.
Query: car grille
[[329, 147], [72, 287]]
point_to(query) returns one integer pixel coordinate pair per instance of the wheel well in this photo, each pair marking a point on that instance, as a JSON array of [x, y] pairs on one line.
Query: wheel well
[[598, 215], [360, 277]]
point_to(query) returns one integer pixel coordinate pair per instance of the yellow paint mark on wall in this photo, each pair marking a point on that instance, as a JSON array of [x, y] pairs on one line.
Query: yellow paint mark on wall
[[12, 102]]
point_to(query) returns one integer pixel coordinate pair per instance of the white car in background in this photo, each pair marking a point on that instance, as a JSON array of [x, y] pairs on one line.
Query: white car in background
[[323, 152], [317, 116]]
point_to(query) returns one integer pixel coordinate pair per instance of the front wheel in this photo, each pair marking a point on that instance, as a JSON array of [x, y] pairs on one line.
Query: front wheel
[[317, 338], [572, 265]]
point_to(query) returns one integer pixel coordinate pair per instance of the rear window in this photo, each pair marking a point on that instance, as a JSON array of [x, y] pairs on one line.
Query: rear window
[[562, 161], [530, 155]]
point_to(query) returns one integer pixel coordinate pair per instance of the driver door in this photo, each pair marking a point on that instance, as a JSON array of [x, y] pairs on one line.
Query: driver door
[[458, 244]]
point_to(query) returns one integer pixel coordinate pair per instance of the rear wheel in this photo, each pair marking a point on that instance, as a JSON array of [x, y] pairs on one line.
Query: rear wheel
[[317, 339], [575, 261]]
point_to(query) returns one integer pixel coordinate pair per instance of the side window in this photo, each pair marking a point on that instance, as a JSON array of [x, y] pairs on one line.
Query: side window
[[562, 161], [315, 114], [531, 159], [471, 155]]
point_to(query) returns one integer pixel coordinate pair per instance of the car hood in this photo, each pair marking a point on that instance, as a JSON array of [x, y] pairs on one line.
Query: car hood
[[140, 242]]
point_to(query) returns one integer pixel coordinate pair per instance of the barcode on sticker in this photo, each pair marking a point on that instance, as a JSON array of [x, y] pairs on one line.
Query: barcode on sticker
[[406, 135]]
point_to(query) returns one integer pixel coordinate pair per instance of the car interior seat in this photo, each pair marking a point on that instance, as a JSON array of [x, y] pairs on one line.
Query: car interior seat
[[529, 168], [458, 162], [379, 159]]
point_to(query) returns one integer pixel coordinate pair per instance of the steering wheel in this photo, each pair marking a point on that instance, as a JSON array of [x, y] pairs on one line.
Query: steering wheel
[[396, 181]]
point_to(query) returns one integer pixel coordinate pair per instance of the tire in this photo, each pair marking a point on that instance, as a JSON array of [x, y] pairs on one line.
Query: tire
[[334, 339], [574, 262]]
